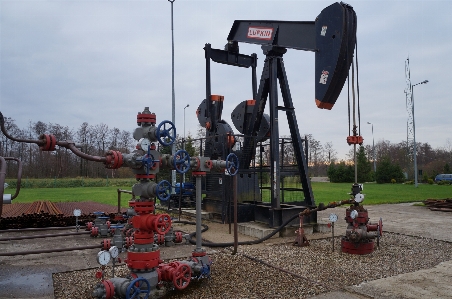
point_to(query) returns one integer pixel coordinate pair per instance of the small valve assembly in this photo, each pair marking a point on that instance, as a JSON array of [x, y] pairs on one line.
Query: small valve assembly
[[360, 234]]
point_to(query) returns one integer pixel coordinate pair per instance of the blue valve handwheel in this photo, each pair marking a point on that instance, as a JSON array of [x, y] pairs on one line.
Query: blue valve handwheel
[[148, 161], [138, 287], [232, 164], [166, 135], [181, 161], [163, 190]]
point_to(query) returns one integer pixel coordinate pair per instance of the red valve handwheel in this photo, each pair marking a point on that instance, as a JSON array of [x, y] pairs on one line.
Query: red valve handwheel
[[129, 241], [182, 276], [106, 244], [94, 231], [162, 224], [109, 289]]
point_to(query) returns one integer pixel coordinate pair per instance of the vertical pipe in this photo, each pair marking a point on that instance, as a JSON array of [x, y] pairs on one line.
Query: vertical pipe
[[414, 138], [354, 122], [198, 214], [234, 194], [282, 166], [19, 175], [2, 181], [173, 101], [181, 191], [373, 149], [119, 201], [274, 140]]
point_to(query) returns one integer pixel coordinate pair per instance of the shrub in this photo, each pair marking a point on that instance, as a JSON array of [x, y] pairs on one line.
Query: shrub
[[430, 181], [444, 183], [341, 173], [393, 181], [409, 182], [386, 171]]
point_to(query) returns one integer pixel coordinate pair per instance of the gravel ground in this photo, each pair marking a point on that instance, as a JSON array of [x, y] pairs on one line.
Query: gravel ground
[[262, 271]]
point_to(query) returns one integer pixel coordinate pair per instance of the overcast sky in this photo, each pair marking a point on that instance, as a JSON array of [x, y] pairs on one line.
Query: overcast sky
[[70, 62]]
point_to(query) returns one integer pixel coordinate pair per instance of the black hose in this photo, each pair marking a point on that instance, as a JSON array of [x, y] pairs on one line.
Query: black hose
[[192, 223]]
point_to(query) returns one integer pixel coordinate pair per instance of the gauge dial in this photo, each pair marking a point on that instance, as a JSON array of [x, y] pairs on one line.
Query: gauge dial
[[103, 257], [333, 217], [353, 214], [145, 143], [359, 197], [77, 212], [114, 251]]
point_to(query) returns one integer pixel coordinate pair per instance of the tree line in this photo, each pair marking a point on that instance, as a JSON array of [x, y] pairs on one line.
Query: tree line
[[99, 138], [393, 163]]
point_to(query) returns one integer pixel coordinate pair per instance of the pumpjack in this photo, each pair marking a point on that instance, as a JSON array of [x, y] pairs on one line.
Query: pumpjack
[[332, 37]]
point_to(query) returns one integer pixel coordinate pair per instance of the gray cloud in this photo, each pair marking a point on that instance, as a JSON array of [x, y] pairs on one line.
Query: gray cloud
[[68, 62]]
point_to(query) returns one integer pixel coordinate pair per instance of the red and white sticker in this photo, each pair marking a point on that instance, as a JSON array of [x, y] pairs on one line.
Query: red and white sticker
[[260, 32], [324, 77]]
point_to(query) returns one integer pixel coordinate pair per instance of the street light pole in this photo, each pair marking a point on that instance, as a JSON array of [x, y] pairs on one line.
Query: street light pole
[[173, 118], [183, 143], [184, 122], [373, 148], [414, 132]]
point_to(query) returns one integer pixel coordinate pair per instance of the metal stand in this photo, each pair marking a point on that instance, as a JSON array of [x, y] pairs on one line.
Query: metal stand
[[332, 231], [301, 239]]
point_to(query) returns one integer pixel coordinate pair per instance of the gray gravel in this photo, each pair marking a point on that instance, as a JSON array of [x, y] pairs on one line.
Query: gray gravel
[[316, 269]]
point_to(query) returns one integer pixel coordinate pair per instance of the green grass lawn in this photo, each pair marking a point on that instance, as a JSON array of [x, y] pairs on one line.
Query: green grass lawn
[[106, 195], [323, 192], [381, 193]]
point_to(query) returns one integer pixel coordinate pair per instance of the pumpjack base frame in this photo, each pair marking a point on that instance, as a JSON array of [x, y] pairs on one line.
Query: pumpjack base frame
[[275, 217], [261, 212]]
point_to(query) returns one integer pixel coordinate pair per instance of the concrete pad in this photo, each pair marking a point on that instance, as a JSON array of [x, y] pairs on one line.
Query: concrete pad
[[192, 214], [430, 283]]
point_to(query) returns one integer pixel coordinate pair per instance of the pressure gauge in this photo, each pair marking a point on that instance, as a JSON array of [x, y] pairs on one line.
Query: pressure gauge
[[114, 251], [359, 197], [353, 214], [145, 143], [103, 257], [77, 212], [333, 217]]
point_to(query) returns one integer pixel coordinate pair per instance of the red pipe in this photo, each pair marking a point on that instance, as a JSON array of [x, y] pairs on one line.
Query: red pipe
[[49, 250], [66, 144], [19, 176]]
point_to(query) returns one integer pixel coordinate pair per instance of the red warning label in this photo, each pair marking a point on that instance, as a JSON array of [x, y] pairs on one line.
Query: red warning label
[[260, 33]]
